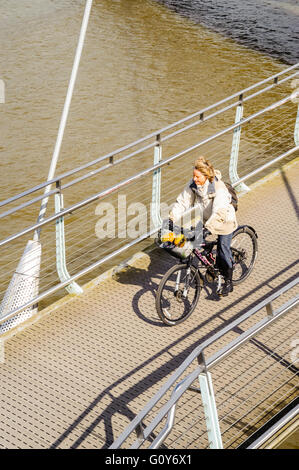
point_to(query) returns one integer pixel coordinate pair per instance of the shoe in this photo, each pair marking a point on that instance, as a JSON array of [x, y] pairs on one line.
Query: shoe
[[226, 288], [228, 283]]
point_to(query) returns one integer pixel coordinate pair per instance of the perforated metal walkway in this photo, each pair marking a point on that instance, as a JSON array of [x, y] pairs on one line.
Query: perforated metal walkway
[[75, 378]]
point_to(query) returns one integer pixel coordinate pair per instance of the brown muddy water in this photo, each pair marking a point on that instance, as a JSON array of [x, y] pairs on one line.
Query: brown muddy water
[[144, 66]]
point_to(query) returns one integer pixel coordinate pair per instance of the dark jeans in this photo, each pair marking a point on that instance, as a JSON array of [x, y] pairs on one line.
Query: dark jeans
[[224, 255]]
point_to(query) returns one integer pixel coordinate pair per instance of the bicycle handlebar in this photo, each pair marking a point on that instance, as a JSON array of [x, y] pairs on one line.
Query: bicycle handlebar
[[189, 234]]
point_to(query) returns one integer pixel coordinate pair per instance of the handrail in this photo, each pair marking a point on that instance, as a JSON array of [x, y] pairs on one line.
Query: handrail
[[84, 271], [76, 276], [65, 279], [136, 176], [112, 189], [270, 433], [205, 365], [211, 362], [110, 155]]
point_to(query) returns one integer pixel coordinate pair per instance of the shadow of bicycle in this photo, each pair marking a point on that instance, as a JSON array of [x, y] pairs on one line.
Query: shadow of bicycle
[[149, 278]]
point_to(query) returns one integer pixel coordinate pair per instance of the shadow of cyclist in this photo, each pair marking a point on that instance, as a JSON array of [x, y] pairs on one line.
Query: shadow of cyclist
[[149, 279]]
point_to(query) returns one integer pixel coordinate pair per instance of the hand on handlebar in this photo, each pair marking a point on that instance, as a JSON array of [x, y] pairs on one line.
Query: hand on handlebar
[[167, 224]]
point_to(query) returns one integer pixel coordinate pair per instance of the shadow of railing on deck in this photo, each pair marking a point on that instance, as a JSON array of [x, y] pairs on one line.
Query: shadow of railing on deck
[[290, 192], [120, 404]]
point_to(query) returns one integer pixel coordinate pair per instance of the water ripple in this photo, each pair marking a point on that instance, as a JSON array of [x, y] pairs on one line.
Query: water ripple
[[269, 26]]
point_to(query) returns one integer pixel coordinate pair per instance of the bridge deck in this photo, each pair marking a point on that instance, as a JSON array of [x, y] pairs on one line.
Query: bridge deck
[[78, 376]]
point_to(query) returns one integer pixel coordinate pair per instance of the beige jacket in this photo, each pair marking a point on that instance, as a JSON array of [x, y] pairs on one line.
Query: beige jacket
[[218, 214]]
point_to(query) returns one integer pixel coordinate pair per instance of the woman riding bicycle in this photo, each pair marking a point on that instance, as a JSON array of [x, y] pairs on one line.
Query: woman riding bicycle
[[208, 192]]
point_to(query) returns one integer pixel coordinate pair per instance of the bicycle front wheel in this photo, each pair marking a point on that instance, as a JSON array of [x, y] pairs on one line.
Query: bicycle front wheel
[[244, 252], [178, 294]]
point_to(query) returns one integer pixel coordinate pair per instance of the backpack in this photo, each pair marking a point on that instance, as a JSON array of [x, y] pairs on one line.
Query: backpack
[[233, 194], [231, 190]]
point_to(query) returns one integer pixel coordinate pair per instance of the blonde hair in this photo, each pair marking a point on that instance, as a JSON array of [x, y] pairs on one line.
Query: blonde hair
[[205, 167]]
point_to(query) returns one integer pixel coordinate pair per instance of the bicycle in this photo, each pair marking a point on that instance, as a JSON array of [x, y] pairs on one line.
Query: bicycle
[[179, 290]]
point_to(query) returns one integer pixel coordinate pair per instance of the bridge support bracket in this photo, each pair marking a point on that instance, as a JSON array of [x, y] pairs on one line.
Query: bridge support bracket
[[210, 411], [73, 287], [233, 163], [156, 188]]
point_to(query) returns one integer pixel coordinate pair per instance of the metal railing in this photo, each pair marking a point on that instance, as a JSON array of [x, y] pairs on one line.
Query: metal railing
[[289, 418], [117, 159], [146, 433]]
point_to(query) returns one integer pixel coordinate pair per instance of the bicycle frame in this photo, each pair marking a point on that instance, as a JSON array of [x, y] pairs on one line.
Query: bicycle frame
[[202, 256], [207, 260]]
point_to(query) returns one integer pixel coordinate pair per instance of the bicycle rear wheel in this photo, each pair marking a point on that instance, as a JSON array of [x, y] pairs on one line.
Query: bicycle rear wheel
[[244, 249], [178, 294]]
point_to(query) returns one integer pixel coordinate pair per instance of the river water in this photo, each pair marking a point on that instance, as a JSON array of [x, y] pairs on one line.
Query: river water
[[143, 67], [269, 26], [145, 64]]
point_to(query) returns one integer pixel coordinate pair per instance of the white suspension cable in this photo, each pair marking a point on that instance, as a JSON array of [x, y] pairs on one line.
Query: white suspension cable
[[65, 109]]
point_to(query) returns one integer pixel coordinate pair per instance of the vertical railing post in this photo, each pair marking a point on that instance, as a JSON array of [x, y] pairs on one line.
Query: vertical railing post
[[296, 131], [73, 287], [209, 406], [2, 100], [269, 310], [2, 91], [233, 163], [156, 188]]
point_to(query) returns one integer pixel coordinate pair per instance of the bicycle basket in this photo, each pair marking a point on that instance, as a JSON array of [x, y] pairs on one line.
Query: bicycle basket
[[180, 252]]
